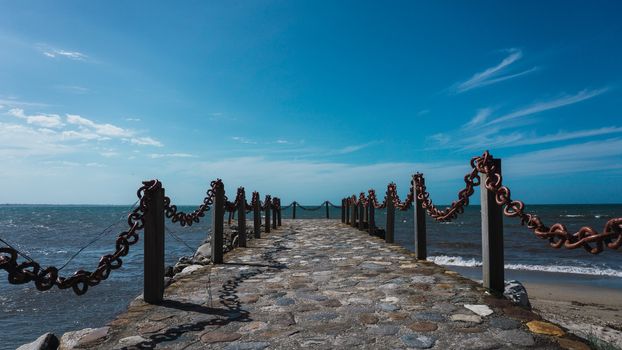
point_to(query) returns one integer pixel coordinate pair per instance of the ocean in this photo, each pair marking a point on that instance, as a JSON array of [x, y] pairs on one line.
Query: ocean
[[52, 234]]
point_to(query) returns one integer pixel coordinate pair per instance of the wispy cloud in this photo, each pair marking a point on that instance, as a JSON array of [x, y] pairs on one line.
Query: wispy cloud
[[145, 141], [491, 75], [479, 118], [60, 53], [44, 120], [568, 159], [171, 155], [548, 105], [74, 89], [354, 148], [483, 132], [243, 140]]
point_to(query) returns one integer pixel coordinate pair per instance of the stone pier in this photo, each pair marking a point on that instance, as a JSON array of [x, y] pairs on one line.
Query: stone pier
[[320, 284]]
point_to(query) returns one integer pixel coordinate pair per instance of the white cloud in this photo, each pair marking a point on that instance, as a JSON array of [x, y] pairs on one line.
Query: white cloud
[[479, 118], [100, 129], [354, 148], [490, 75], [569, 159], [145, 141], [548, 105], [244, 140], [132, 119], [54, 53], [48, 121], [171, 155]]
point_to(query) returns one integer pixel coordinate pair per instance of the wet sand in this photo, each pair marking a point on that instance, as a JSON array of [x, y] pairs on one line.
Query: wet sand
[[585, 311]]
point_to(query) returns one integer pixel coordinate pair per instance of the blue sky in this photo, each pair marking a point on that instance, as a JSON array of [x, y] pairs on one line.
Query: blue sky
[[311, 100]]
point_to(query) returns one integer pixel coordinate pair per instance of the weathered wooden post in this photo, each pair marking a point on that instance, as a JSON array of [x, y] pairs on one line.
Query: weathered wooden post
[[278, 213], [256, 215], [390, 218], [294, 204], [241, 217], [347, 208], [218, 219], [361, 213], [267, 203], [371, 223], [154, 246], [354, 211], [343, 211], [327, 215], [275, 205], [492, 236], [420, 229]]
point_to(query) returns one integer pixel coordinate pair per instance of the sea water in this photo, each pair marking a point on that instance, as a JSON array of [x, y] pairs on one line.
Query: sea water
[[52, 234]]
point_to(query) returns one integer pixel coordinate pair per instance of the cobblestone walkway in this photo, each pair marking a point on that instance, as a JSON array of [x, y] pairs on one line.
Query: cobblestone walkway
[[320, 284]]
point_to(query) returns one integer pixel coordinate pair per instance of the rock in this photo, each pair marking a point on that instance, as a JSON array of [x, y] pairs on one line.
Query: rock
[[368, 319], [131, 341], [383, 330], [570, 344], [418, 341], [423, 326], [481, 310], [219, 337], [516, 293], [253, 326], [428, 316], [504, 323], [47, 341], [72, 340], [516, 337], [189, 269], [247, 345], [284, 301], [541, 327], [388, 307], [466, 318], [204, 252]]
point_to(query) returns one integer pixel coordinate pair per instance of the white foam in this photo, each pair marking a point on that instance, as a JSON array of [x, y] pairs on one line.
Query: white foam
[[581, 270], [573, 216]]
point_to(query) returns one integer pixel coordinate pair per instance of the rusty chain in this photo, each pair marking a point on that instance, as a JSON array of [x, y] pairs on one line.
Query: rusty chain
[[81, 280], [189, 218], [557, 234]]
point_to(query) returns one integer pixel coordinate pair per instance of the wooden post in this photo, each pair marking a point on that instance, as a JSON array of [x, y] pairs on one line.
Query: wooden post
[[218, 219], [420, 229], [371, 223], [154, 247], [347, 207], [294, 209], [327, 215], [361, 215], [274, 210], [353, 214], [278, 213], [242, 218], [492, 237], [256, 216], [343, 211], [390, 219], [268, 203]]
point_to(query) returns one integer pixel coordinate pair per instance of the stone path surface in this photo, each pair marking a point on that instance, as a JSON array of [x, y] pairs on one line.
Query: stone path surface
[[320, 284]]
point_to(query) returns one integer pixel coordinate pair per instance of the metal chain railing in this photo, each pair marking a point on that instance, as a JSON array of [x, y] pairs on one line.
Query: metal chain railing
[[558, 235], [81, 280]]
